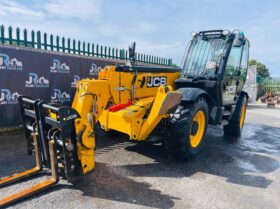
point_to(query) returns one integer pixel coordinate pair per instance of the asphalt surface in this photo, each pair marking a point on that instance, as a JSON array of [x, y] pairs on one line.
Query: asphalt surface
[[243, 174]]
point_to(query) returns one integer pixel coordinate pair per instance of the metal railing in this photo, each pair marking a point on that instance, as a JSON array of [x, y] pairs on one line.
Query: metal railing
[[271, 85], [37, 40]]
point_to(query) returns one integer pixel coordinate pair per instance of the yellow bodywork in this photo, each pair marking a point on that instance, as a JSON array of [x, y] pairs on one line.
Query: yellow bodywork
[[242, 117], [94, 97]]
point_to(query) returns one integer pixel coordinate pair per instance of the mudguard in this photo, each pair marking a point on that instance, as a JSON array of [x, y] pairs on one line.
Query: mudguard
[[190, 94]]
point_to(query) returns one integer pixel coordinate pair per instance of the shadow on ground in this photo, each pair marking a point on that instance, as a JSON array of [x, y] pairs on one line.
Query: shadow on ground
[[243, 161]]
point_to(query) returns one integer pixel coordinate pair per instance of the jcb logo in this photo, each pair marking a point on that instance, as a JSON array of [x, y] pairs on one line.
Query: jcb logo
[[156, 81]]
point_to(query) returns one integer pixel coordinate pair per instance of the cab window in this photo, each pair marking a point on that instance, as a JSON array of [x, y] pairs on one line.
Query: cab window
[[233, 64], [244, 61]]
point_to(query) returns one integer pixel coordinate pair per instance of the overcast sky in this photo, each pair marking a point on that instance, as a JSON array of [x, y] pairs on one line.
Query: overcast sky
[[160, 27]]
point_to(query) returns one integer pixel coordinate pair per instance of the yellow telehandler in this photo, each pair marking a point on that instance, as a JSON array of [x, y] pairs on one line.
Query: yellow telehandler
[[138, 100]]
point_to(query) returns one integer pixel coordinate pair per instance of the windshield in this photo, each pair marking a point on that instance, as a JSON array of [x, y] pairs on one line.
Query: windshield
[[204, 56]]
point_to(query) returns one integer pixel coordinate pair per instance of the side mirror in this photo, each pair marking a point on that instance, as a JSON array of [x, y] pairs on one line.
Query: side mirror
[[239, 40], [131, 50]]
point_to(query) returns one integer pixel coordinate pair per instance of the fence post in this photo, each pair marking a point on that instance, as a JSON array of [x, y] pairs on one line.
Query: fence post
[[25, 37], [33, 39], [45, 41], [101, 50], [63, 44], [79, 47], [113, 53], [121, 54], [169, 62], [109, 52], [10, 31], [74, 46], [88, 49], [105, 51], [92, 49], [38, 39], [57, 43], [84, 48], [51, 41], [2, 34], [68, 45], [97, 50], [117, 54], [18, 36]]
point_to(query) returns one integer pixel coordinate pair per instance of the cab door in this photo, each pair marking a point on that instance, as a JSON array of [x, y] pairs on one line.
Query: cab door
[[235, 73]]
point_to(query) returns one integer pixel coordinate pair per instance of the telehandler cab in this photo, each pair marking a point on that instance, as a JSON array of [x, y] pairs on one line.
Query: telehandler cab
[[176, 104]]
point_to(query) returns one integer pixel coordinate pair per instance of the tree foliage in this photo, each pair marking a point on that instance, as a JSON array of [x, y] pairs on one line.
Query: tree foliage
[[262, 70]]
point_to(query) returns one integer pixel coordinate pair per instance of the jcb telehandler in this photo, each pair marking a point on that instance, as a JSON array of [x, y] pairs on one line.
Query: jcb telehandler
[[176, 104]]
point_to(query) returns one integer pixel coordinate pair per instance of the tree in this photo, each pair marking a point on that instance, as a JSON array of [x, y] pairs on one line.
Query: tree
[[262, 70]]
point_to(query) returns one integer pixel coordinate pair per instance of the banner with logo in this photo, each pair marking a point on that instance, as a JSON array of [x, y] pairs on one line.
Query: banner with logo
[[48, 76]]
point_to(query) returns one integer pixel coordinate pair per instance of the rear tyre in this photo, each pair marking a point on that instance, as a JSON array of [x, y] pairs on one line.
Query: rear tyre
[[187, 129], [236, 122]]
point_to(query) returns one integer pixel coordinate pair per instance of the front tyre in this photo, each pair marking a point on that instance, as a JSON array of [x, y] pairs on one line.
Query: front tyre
[[187, 129], [236, 122]]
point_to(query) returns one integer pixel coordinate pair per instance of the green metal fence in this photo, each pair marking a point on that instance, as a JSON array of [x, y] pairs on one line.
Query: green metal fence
[[271, 85], [44, 41]]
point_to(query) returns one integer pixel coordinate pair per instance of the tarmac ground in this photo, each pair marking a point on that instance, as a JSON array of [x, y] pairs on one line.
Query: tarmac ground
[[244, 174]]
